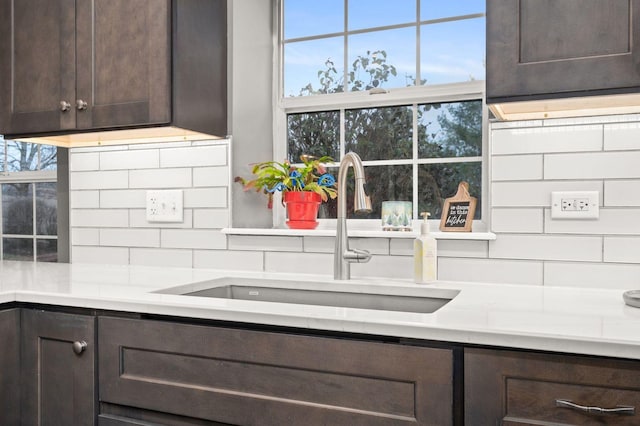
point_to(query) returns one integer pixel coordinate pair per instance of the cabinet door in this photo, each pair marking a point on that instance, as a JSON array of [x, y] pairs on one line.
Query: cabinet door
[[10, 367], [37, 65], [553, 48], [526, 389], [123, 63], [58, 378], [263, 378]]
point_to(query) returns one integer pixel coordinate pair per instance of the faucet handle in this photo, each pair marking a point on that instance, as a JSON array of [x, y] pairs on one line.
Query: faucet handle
[[356, 255]]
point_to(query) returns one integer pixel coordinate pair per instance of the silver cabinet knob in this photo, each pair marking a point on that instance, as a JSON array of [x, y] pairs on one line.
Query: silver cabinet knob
[[79, 346], [81, 105], [65, 106]]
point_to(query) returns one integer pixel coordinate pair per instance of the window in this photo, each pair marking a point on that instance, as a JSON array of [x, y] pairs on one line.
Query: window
[[400, 83], [28, 202]]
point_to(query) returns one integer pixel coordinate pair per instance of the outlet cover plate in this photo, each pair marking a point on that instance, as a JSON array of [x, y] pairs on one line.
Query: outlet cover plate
[[575, 205], [165, 206]]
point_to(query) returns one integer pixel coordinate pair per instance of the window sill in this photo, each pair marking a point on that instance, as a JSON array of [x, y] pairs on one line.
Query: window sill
[[358, 233]]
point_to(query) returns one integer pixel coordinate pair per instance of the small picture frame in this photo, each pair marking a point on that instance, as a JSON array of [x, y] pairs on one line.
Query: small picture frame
[[458, 211], [397, 215]]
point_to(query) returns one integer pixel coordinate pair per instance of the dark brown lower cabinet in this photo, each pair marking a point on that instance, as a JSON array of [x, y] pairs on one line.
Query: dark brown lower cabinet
[[10, 367], [212, 375], [528, 389], [58, 368]]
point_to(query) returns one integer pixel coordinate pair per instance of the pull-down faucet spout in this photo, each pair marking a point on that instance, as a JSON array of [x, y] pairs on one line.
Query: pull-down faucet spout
[[343, 256]]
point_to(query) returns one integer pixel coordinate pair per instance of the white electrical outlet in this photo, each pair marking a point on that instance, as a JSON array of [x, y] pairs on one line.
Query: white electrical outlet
[[575, 205], [165, 206]]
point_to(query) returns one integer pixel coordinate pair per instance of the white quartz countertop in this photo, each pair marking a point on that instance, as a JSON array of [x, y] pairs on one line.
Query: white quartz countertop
[[561, 319]]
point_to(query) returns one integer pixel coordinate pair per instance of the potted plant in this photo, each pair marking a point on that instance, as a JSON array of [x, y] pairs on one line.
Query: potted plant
[[303, 187]]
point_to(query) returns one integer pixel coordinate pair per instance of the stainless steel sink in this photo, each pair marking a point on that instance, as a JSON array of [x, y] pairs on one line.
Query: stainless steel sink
[[384, 298]]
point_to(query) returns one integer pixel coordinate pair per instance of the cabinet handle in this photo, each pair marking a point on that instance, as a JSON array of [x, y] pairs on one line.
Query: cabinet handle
[[65, 106], [79, 346], [81, 105], [619, 410]]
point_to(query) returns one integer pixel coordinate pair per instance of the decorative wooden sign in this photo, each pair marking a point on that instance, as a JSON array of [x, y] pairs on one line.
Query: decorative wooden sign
[[458, 211]]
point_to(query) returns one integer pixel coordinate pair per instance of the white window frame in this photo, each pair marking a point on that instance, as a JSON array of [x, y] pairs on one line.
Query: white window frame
[[415, 95]]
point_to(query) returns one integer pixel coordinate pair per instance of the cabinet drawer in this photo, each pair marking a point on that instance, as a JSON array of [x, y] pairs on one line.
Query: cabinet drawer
[[253, 377], [512, 388]]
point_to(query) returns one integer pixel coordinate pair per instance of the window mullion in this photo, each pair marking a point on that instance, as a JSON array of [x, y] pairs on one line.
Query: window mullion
[[414, 166]]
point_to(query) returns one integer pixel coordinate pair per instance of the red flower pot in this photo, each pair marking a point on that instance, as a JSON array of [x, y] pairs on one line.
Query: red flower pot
[[302, 209]]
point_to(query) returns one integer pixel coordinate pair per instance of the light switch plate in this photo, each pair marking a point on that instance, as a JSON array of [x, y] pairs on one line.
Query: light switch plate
[[165, 206], [575, 205]]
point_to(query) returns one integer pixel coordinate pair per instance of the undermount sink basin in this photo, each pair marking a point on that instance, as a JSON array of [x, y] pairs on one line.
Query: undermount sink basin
[[384, 298]]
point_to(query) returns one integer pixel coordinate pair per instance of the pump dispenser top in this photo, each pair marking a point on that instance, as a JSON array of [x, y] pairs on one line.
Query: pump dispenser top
[[424, 225]]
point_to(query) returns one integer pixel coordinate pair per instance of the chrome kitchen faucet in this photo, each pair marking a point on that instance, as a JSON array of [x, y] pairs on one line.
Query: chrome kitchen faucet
[[343, 256]]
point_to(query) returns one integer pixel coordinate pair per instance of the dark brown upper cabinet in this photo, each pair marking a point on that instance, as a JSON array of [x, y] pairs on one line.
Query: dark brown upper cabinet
[[559, 49], [69, 66]]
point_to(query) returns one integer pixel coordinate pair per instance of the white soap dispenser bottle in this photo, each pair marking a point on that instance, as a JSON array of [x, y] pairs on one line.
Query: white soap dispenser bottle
[[425, 256]]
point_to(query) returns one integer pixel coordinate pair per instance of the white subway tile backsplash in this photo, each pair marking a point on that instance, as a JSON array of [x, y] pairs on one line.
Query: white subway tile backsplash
[[605, 165], [161, 257], [622, 249], [460, 248], [516, 167], [327, 244], [611, 221], [490, 270], [193, 238], [518, 220], [394, 267], [546, 247], [123, 199], [265, 243], [138, 219], [547, 139], [130, 237], [84, 199], [206, 198], [229, 260], [299, 263], [622, 136], [536, 194], [211, 218], [108, 255], [160, 178], [79, 162], [211, 176], [211, 155], [593, 275], [99, 180], [401, 246], [100, 218], [622, 193], [124, 160], [85, 236]]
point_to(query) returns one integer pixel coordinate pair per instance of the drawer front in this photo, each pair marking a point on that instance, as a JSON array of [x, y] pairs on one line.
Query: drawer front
[[511, 388], [252, 377]]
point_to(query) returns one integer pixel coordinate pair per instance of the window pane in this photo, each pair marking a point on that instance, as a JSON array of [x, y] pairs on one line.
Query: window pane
[[382, 59], [383, 183], [2, 151], [453, 51], [17, 208], [436, 182], [48, 157], [316, 134], [450, 130], [47, 250], [434, 9], [377, 13], [314, 67], [380, 133], [17, 249], [46, 209], [307, 18], [21, 156]]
